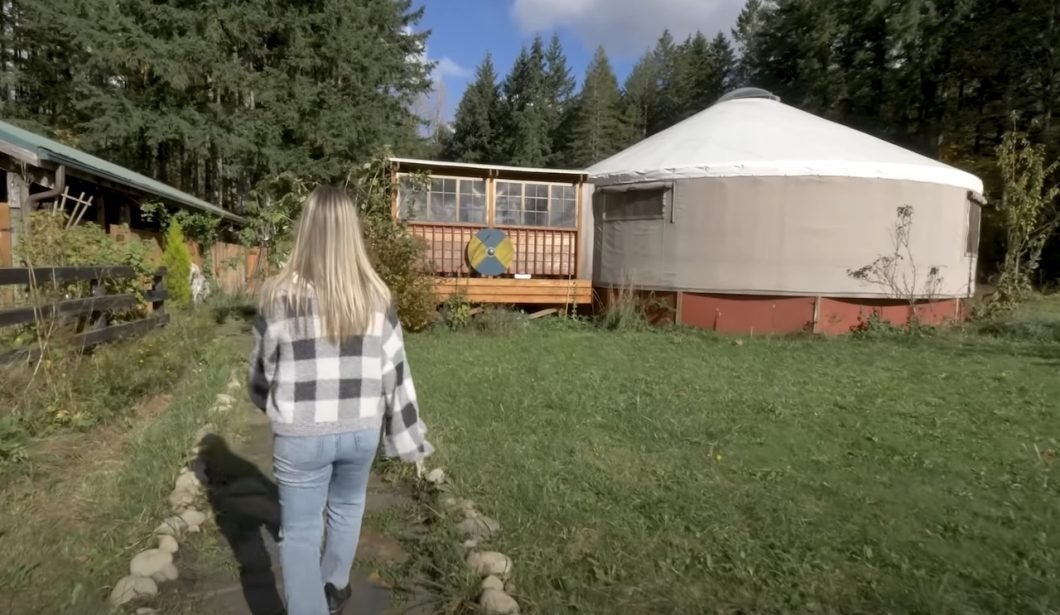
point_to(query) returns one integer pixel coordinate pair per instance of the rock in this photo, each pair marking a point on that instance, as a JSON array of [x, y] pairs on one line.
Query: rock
[[202, 432], [377, 580], [172, 526], [169, 573], [200, 288], [436, 476], [168, 544], [486, 563], [132, 587], [180, 499], [193, 518], [478, 528], [492, 582], [188, 481], [150, 562], [496, 602]]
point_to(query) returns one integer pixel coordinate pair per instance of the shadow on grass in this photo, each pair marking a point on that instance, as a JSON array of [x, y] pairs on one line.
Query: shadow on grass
[[244, 502]]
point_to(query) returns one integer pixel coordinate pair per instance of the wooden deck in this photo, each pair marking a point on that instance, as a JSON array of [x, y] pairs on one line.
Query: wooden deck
[[512, 291]]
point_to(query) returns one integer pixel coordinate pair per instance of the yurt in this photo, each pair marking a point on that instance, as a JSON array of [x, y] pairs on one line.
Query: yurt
[[754, 216]]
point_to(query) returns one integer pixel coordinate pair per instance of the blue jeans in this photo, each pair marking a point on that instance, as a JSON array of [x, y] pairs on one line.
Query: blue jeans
[[315, 473]]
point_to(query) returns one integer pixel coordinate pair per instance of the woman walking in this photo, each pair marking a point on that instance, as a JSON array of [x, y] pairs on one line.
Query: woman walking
[[329, 369]]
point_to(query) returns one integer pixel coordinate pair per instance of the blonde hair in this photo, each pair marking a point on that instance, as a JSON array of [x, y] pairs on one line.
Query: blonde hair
[[329, 263]]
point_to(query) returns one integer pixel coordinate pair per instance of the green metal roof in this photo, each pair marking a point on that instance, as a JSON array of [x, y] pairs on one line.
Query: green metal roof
[[52, 151]]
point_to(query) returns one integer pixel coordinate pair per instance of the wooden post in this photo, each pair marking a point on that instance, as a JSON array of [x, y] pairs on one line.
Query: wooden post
[[17, 199], [158, 287], [98, 319]]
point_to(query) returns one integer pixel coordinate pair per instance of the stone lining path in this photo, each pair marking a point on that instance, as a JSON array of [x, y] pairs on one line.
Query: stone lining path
[[243, 494]]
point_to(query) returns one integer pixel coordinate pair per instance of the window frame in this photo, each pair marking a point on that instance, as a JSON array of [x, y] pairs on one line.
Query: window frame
[[401, 214], [664, 190], [574, 186]]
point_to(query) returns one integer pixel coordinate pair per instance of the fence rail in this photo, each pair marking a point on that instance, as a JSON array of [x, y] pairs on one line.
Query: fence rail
[[92, 314]]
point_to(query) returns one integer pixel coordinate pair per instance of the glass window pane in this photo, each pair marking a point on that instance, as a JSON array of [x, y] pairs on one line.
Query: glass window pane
[[412, 199], [473, 201], [509, 203], [562, 214]]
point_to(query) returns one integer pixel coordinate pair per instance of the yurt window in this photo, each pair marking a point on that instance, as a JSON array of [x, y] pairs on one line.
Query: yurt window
[[634, 204], [536, 204], [446, 199], [974, 216]]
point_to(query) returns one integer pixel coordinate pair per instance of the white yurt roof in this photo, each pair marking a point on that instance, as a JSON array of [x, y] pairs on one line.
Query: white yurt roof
[[764, 137]]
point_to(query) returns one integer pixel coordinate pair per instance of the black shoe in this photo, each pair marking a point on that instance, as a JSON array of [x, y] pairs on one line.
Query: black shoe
[[337, 598]]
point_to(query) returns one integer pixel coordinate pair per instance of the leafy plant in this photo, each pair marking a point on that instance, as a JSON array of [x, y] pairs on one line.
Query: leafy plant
[[177, 260], [456, 312], [202, 228], [898, 272], [398, 255], [51, 242], [271, 213], [1028, 215]]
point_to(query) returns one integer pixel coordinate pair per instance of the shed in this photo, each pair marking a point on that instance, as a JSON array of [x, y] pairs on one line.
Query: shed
[[39, 170]]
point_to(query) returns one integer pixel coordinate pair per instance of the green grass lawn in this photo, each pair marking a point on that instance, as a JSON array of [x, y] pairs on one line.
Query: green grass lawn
[[677, 472]]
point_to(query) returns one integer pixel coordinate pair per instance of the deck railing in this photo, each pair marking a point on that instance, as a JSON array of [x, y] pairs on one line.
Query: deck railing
[[539, 252]]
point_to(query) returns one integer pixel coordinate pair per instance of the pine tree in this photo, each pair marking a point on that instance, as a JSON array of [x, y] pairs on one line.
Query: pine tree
[[640, 95], [597, 127], [176, 258], [476, 132], [526, 118], [725, 62], [560, 86], [698, 80], [667, 108]]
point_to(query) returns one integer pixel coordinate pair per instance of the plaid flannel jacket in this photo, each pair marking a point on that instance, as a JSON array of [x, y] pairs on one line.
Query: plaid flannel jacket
[[309, 385]]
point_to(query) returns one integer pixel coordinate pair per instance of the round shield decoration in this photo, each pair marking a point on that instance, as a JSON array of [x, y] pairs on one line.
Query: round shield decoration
[[490, 252]]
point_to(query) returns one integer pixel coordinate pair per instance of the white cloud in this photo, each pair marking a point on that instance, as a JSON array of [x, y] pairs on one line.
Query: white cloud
[[626, 27], [447, 67]]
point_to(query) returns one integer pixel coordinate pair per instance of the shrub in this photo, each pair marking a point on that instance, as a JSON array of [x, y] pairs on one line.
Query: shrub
[[49, 242], [398, 255], [624, 311], [177, 261], [456, 313], [496, 320]]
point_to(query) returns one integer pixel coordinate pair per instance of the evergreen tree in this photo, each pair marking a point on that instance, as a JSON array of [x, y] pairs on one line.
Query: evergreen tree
[[725, 62], [597, 128], [476, 133], [526, 118], [639, 96], [698, 80], [668, 100], [560, 85], [211, 97]]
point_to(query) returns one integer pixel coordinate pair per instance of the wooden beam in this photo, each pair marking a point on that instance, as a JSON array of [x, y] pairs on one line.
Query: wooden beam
[[21, 153], [72, 307], [56, 275], [94, 338], [543, 313]]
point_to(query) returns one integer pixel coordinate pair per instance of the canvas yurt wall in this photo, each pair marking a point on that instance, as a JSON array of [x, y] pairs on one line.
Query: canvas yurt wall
[[751, 215]]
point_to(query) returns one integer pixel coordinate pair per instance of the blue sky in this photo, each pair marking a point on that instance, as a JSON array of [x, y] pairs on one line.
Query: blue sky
[[462, 31]]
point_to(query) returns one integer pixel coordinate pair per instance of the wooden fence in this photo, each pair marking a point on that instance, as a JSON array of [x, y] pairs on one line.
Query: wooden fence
[[91, 316]]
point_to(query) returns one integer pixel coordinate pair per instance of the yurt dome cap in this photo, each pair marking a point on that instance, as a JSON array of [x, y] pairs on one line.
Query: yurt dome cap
[[744, 93], [750, 133]]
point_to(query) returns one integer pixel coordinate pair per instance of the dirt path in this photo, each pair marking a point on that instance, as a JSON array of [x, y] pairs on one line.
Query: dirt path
[[234, 569]]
